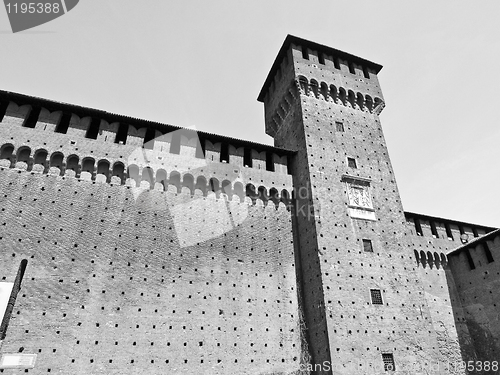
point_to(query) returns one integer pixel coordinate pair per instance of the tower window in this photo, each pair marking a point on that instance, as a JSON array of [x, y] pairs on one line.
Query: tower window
[[351, 68], [63, 124], [388, 359], [351, 162], [321, 58], [376, 295], [474, 231], [339, 126], [448, 231], [247, 157], [121, 134], [365, 72], [418, 227], [224, 153], [434, 229], [93, 129], [487, 252], [32, 118], [305, 53], [3, 109], [367, 246]]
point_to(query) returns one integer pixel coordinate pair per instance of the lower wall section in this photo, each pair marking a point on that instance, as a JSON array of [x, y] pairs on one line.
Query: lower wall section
[[121, 280]]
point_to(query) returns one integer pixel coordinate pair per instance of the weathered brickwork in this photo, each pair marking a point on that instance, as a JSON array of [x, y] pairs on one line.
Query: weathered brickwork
[[144, 248]]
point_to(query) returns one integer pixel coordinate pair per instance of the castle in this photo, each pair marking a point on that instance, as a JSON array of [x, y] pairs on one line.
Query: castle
[[133, 247]]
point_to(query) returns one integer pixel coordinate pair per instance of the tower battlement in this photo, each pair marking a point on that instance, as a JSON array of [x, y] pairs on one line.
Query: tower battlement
[[305, 67]]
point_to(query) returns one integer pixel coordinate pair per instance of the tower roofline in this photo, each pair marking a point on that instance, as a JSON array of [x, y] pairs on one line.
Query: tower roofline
[[314, 46]]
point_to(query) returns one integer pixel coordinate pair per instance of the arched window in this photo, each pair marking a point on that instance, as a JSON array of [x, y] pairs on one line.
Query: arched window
[[88, 165], [23, 154], [119, 170], [72, 163], [103, 168], [56, 160], [40, 157]]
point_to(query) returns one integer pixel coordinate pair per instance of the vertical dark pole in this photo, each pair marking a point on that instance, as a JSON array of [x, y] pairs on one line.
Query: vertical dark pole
[[12, 299]]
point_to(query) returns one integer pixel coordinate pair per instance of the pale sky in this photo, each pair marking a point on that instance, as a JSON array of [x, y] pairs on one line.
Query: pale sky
[[202, 64]]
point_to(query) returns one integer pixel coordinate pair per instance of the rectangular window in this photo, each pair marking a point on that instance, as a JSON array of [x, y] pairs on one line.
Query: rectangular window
[[376, 295], [418, 227], [93, 129], [388, 359], [351, 162], [434, 229], [63, 124], [321, 58], [474, 231], [339, 126], [487, 252], [367, 246], [305, 53], [449, 234], [32, 117]]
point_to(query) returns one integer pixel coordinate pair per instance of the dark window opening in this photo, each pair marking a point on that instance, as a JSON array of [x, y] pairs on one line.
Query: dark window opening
[[461, 229], [200, 149], [336, 62], [269, 161], [474, 232], [63, 124], [305, 53], [418, 227], [3, 109], [388, 360], [351, 162], [247, 157], [434, 229], [376, 295], [367, 246], [149, 139], [449, 234], [175, 146], [365, 72], [339, 126], [224, 153], [487, 252], [12, 299], [93, 128], [32, 118], [321, 58], [121, 134], [351, 68], [469, 259]]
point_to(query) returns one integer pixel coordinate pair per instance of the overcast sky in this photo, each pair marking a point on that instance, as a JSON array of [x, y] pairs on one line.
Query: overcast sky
[[202, 64]]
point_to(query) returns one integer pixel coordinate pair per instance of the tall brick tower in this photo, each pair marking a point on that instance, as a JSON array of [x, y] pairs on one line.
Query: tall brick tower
[[364, 305]]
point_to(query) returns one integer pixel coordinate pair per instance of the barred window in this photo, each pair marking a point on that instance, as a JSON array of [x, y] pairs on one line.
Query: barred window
[[376, 296], [388, 359]]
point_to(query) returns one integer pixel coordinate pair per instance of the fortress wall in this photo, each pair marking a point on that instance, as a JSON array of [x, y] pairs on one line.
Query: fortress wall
[[478, 284], [140, 145], [442, 297], [129, 280], [75, 154], [449, 238]]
